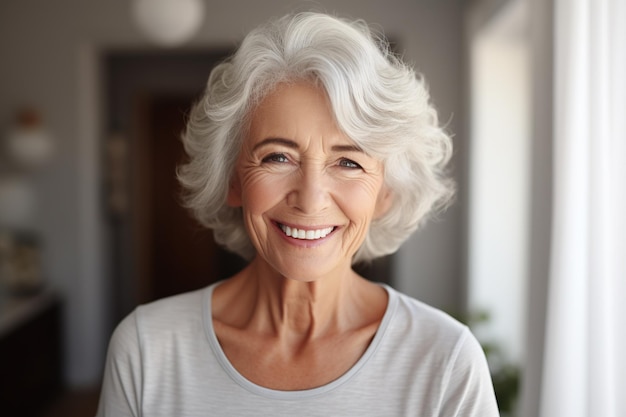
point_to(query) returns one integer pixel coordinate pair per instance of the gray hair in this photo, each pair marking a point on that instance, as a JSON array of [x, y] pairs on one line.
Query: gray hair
[[378, 101]]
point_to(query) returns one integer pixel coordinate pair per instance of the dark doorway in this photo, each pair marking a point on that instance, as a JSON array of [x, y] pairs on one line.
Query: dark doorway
[[157, 248], [179, 254]]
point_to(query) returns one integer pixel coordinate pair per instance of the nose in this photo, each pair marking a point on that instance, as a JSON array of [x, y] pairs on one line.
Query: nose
[[310, 192]]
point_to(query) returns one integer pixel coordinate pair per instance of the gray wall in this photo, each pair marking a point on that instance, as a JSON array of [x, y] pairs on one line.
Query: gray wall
[[49, 52]]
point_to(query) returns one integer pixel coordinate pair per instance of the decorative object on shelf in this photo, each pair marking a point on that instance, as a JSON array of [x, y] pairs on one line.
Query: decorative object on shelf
[[25, 148], [28, 144], [17, 202], [168, 22], [20, 271]]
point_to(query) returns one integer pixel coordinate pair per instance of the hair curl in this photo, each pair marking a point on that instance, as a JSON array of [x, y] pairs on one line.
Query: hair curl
[[377, 100]]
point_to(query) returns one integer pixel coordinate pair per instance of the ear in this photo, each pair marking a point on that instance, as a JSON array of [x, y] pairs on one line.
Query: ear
[[233, 199], [383, 203]]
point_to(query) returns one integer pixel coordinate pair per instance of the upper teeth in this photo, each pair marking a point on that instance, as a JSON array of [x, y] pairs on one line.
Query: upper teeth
[[306, 234]]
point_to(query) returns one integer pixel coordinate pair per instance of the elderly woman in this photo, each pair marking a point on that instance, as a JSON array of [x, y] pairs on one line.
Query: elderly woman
[[313, 148]]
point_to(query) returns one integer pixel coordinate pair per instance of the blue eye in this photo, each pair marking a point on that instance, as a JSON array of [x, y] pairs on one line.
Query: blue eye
[[276, 157], [347, 163]]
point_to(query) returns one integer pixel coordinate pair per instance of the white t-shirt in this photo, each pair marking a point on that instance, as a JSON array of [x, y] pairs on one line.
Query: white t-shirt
[[165, 360]]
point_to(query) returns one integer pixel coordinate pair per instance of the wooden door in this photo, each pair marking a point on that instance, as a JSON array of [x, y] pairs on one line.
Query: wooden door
[[177, 253]]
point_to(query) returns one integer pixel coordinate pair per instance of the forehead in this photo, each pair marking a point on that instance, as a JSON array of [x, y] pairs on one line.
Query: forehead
[[293, 94], [295, 110]]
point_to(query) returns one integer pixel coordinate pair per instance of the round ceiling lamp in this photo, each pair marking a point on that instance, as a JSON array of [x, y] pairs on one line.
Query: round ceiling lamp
[[168, 22]]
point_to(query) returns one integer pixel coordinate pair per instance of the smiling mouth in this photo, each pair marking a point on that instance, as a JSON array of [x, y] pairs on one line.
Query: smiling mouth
[[313, 234]]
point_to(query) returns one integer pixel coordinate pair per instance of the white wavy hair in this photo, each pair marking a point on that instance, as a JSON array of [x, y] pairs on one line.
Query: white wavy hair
[[378, 101]]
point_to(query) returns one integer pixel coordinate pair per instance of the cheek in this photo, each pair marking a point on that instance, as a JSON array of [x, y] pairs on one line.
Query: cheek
[[383, 203], [358, 199], [261, 192]]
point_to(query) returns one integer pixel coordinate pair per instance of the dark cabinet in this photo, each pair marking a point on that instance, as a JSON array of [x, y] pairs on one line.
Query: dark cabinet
[[30, 353]]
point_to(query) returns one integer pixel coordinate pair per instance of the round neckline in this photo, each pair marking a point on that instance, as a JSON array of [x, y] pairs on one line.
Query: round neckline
[[250, 386]]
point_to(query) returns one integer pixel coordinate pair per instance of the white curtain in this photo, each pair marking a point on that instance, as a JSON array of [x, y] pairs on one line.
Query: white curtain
[[585, 353]]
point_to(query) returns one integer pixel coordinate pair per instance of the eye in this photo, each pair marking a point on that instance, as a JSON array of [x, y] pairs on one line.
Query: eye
[[348, 163], [275, 157]]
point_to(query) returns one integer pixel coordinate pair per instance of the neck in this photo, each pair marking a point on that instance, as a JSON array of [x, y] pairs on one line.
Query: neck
[[299, 310]]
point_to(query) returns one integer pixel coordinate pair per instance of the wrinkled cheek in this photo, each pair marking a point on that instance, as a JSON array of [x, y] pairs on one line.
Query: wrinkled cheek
[[259, 196], [359, 207], [355, 238], [257, 232]]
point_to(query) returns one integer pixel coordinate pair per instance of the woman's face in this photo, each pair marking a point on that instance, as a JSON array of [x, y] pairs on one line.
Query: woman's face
[[308, 193]]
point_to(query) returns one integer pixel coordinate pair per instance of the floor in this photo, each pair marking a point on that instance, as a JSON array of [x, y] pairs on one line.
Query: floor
[[77, 403]]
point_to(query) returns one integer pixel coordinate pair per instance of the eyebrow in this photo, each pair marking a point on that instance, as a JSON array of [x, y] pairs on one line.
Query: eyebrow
[[276, 141], [347, 148], [294, 145]]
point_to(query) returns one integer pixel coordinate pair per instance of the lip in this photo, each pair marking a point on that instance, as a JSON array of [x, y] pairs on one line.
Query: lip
[[304, 242]]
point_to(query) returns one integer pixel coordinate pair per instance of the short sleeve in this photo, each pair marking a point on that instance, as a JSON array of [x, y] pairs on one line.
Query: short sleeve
[[122, 381], [468, 390]]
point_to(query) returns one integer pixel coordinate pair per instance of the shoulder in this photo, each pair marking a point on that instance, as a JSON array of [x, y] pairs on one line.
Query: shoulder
[[175, 316], [144, 346], [429, 335], [441, 356], [414, 317], [170, 310]]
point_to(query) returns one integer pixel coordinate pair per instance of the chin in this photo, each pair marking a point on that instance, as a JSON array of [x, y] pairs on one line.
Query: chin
[[315, 272]]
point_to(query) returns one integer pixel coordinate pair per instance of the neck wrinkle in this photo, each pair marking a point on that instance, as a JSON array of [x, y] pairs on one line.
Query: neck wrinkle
[[299, 311]]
